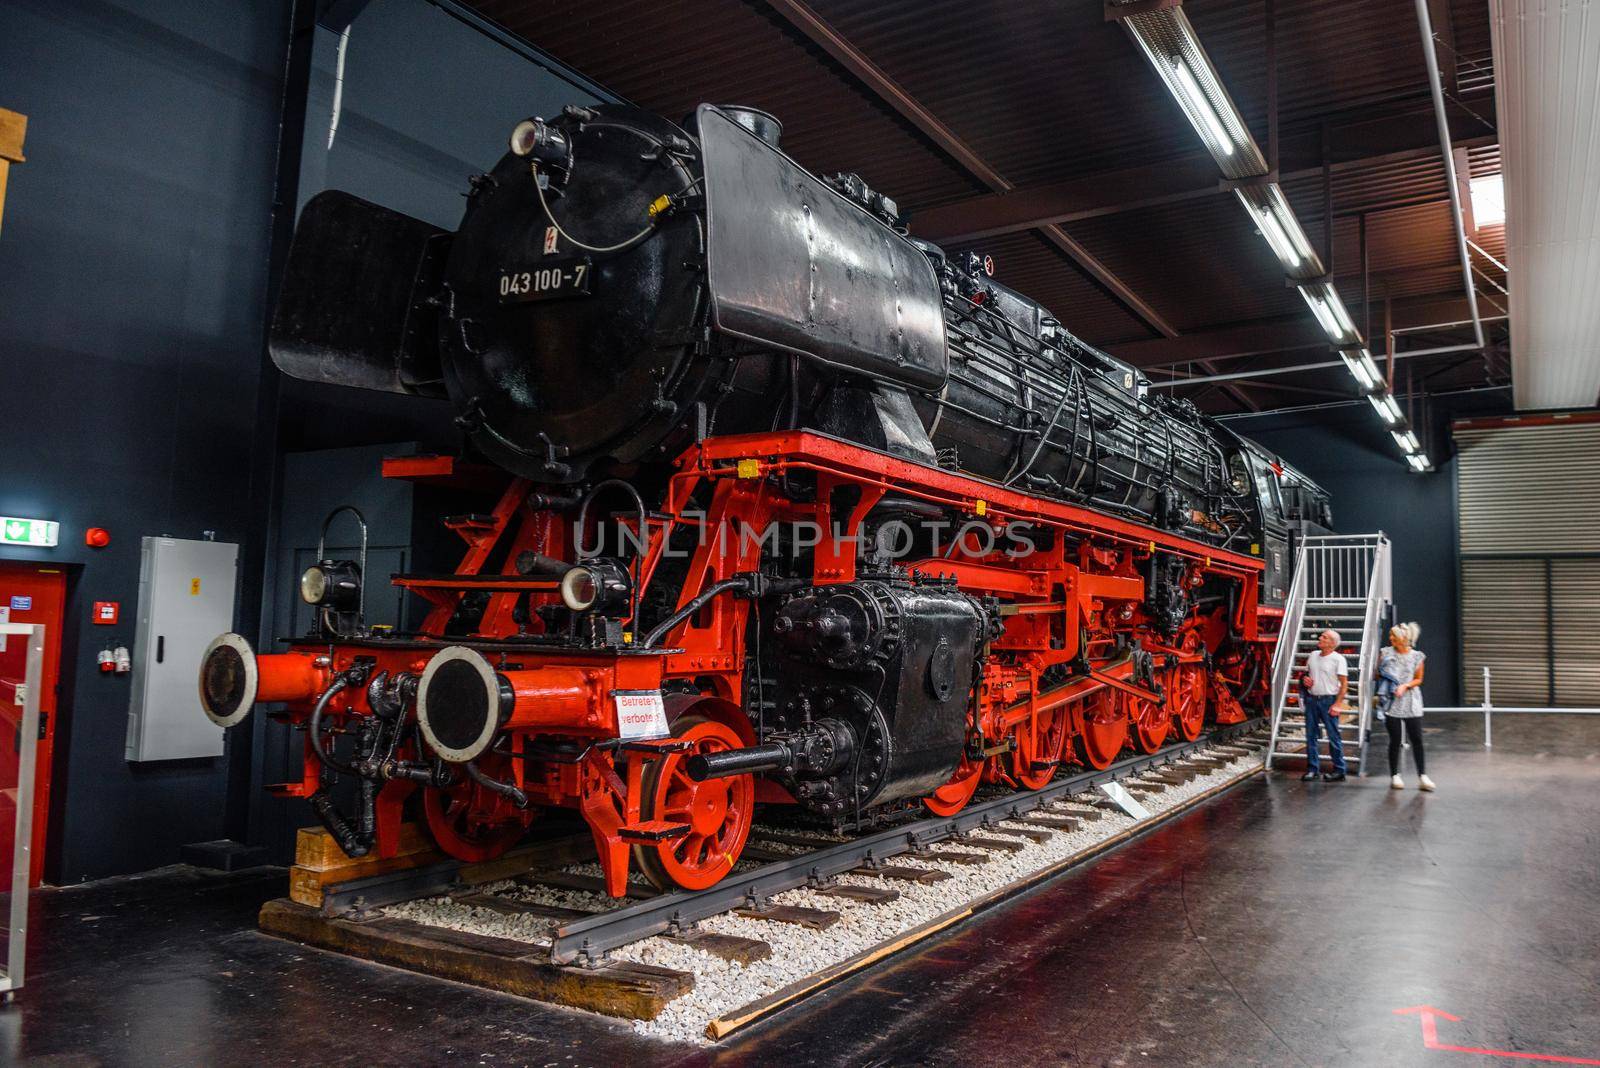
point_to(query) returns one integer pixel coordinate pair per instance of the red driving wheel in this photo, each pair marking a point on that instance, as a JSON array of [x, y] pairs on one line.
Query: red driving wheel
[[1040, 741], [1102, 729], [953, 796], [471, 822], [1186, 696], [718, 811], [1150, 722]]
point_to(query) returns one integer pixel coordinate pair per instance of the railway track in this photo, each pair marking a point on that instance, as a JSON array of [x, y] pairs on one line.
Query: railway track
[[587, 940], [565, 917]]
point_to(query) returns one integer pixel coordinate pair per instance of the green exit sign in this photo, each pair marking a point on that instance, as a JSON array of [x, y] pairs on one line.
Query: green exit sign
[[38, 532]]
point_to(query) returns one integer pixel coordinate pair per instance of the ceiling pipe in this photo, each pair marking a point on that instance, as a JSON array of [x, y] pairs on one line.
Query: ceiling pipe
[[1430, 55], [1230, 416], [1269, 371], [1443, 326]]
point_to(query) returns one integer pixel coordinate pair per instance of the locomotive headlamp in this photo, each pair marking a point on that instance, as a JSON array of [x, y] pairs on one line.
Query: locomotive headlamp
[[332, 584], [601, 586], [537, 138]]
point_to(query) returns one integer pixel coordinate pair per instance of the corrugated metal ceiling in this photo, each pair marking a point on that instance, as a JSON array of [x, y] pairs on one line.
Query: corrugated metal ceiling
[[1047, 90]]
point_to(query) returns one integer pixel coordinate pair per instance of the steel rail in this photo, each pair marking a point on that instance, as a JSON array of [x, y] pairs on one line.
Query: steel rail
[[588, 940]]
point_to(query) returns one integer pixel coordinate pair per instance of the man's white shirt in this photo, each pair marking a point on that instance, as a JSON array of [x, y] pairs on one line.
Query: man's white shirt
[[1325, 672]]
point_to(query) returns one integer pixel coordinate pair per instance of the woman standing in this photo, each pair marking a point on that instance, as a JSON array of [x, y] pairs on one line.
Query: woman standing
[[1400, 674]]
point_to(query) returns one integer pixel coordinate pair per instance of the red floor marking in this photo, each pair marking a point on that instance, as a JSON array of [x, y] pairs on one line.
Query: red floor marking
[[1430, 1039]]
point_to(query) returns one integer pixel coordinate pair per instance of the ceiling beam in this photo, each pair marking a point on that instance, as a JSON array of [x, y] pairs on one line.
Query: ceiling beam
[[815, 29]]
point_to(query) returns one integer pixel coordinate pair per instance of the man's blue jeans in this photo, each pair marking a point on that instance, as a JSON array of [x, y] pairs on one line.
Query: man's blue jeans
[[1319, 717]]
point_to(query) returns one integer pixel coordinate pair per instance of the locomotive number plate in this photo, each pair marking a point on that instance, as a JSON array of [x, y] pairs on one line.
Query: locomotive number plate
[[546, 282]]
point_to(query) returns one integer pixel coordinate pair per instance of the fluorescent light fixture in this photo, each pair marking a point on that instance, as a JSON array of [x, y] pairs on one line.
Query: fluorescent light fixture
[[1278, 207], [1419, 461], [1336, 306], [1367, 365], [1406, 439], [1199, 106], [1320, 310], [1169, 42], [1488, 199], [1385, 406], [1360, 365], [1329, 310], [1273, 231]]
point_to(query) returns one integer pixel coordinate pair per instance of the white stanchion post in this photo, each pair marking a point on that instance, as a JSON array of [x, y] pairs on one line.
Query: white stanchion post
[[1488, 707]]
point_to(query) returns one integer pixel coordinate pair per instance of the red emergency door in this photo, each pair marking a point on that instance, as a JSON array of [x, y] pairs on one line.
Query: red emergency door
[[29, 593]]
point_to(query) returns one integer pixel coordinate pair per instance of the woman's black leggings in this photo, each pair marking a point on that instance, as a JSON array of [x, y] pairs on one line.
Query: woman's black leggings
[[1412, 728]]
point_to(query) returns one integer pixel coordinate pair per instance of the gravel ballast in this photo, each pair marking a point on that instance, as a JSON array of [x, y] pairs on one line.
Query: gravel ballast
[[722, 987]]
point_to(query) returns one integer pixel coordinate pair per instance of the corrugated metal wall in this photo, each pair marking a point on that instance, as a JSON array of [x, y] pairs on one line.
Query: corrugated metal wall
[[1530, 489], [1547, 94], [1529, 527]]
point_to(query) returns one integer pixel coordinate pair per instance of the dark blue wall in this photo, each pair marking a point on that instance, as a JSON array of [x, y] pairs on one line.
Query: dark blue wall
[[1349, 453], [132, 270]]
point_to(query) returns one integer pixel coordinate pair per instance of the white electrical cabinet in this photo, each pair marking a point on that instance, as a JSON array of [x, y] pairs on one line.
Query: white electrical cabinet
[[185, 600]]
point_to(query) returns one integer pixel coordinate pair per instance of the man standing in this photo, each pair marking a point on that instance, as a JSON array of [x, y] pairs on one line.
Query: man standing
[[1327, 678]]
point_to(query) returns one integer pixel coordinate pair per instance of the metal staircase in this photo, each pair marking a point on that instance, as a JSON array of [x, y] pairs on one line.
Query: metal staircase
[[1341, 582]]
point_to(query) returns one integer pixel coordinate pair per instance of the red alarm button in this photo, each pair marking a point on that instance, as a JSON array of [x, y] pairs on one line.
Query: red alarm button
[[105, 612], [97, 537]]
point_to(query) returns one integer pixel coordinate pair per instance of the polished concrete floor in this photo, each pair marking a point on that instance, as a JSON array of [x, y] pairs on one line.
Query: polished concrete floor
[[1282, 924]]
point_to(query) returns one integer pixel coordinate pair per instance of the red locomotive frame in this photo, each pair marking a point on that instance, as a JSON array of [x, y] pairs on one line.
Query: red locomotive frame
[[636, 796]]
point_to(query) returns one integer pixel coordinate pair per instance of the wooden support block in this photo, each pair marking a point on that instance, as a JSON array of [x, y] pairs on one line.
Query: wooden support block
[[904, 873], [871, 895], [1029, 833], [592, 883], [728, 947], [315, 848], [1005, 845], [951, 856], [1171, 776], [631, 991], [319, 862], [816, 919], [1060, 823]]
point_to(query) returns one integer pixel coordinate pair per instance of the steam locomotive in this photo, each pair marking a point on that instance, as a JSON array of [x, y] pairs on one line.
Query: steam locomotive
[[797, 510]]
